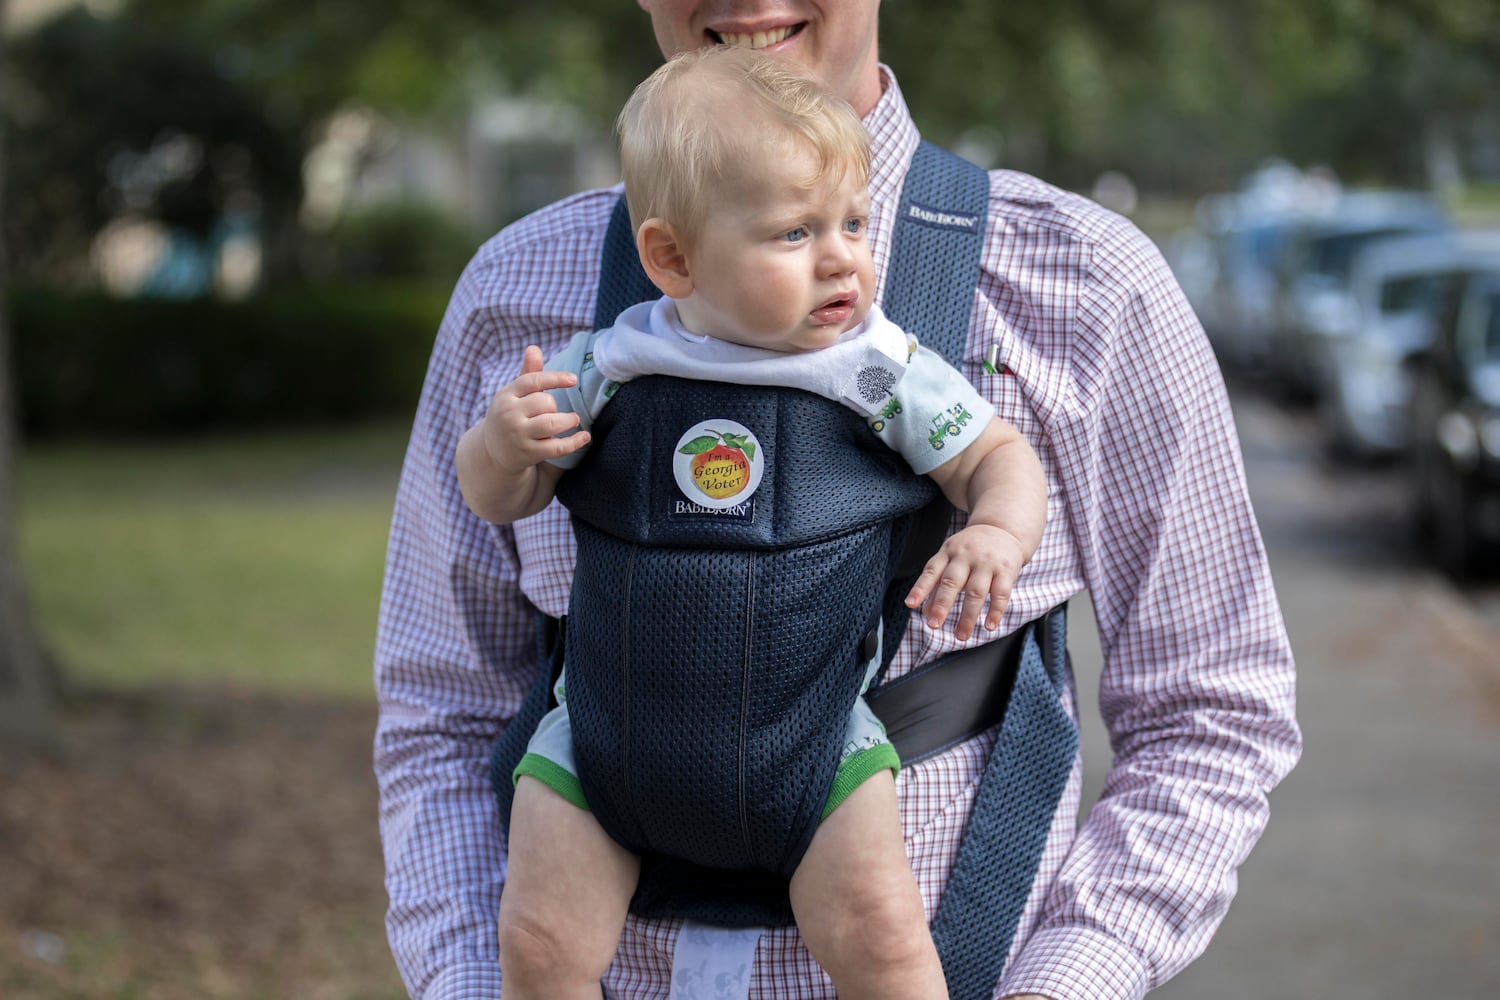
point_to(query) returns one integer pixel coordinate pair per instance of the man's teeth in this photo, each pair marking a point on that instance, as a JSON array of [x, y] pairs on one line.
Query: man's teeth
[[758, 40]]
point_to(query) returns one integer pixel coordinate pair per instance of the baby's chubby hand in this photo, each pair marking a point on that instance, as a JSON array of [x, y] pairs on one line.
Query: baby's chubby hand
[[523, 420], [977, 563]]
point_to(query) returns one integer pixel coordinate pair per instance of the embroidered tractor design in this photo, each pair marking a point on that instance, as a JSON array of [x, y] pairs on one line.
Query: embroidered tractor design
[[947, 425], [891, 408]]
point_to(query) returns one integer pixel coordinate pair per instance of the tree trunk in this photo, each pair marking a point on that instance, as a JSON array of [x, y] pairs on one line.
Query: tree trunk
[[26, 688]]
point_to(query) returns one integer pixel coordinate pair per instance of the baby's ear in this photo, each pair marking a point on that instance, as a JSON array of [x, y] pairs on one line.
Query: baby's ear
[[663, 258]]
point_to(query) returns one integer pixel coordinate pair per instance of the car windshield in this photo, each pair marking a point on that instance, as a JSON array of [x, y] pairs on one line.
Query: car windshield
[[1331, 254], [1411, 293]]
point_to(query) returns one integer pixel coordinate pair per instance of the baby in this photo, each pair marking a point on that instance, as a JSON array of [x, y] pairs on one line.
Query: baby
[[747, 186]]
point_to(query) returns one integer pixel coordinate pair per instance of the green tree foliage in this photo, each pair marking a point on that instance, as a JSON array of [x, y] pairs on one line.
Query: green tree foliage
[[416, 57], [1192, 93], [108, 120], [1369, 86], [1185, 96], [377, 243]]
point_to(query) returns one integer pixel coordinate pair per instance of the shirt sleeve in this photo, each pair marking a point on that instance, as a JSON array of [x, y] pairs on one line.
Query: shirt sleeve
[[441, 706], [1197, 690], [455, 644], [932, 414]]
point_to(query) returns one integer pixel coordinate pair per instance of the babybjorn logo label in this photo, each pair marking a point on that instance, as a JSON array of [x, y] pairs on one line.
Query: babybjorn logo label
[[940, 219], [684, 508], [718, 466]]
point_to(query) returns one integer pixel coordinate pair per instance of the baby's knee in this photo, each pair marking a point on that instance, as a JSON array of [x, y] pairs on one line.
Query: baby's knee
[[885, 928], [525, 945], [878, 923], [538, 950]]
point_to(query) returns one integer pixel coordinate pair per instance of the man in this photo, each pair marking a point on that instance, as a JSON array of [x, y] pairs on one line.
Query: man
[[1098, 360]]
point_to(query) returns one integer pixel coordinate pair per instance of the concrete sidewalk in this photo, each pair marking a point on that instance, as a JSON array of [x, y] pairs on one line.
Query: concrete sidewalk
[[1379, 875]]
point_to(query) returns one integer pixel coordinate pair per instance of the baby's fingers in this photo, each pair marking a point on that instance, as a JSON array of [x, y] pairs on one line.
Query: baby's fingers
[[532, 360], [999, 598], [532, 383], [939, 586], [548, 425], [974, 594], [925, 581], [557, 447], [535, 377]]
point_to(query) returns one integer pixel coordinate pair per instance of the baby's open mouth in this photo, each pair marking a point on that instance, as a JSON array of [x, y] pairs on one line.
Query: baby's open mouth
[[756, 40], [836, 310]]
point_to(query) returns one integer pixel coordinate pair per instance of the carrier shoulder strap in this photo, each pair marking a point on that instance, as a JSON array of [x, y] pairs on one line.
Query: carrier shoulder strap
[[622, 280], [929, 293], [929, 290], [934, 266]]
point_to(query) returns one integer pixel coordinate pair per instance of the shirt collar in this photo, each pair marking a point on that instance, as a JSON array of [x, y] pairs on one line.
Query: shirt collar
[[893, 143], [893, 138]]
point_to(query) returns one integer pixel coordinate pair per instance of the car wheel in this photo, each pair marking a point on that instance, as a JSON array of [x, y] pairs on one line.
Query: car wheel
[[1420, 482], [1453, 542]]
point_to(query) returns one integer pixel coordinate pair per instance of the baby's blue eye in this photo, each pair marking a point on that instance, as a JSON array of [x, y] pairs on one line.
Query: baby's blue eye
[[854, 226], [795, 235]]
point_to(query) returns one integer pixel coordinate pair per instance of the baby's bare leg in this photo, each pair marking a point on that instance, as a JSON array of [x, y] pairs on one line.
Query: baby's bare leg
[[857, 904], [567, 889]]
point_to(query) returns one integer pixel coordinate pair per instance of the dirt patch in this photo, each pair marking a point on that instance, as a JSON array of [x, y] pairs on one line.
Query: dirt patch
[[195, 844]]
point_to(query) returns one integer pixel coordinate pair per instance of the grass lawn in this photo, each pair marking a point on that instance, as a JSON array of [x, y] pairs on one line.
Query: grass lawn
[[210, 831], [253, 561]]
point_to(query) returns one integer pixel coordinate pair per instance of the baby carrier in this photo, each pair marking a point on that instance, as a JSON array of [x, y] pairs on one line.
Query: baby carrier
[[835, 566], [713, 652]]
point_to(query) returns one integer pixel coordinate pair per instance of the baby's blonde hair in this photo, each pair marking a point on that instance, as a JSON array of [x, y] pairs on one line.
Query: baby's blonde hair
[[689, 125]]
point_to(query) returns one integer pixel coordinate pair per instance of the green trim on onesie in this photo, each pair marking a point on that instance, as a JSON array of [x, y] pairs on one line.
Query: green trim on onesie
[[852, 772], [559, 779], [855, 770]]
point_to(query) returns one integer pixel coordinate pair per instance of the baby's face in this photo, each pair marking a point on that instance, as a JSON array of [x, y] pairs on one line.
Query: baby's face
[[780, 264]]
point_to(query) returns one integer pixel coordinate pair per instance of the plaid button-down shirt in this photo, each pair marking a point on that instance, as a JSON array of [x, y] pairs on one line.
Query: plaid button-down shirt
[[1102, 365]]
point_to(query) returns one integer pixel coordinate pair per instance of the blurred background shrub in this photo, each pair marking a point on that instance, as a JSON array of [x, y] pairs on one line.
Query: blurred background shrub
[[89, 364], [405, 239]]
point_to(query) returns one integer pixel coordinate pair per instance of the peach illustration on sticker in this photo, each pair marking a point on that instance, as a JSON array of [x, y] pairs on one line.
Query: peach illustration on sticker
[[718, 463]]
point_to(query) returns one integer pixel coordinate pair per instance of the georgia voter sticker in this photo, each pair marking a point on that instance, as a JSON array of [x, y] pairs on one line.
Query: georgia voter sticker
[[718, 464]]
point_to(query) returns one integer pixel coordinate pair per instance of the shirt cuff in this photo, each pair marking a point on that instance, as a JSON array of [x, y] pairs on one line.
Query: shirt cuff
[[1076, 963], [470, 981]]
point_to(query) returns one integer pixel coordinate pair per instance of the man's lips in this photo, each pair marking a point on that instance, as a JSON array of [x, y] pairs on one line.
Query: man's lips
[[756, 39]]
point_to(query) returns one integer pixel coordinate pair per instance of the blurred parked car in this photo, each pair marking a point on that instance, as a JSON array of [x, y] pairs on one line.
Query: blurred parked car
[[1238, 308], [1455, 424], [1313, 300], [1395, 287], [1228, 262]]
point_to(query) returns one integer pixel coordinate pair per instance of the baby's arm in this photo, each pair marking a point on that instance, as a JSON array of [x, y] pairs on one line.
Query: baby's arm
[[998, 479], [502, 460]]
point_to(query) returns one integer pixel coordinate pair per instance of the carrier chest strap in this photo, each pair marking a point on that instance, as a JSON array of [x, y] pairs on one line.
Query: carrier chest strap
[[949, 700]]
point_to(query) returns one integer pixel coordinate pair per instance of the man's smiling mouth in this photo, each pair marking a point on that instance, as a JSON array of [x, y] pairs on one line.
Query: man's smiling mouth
[[755, 40]]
